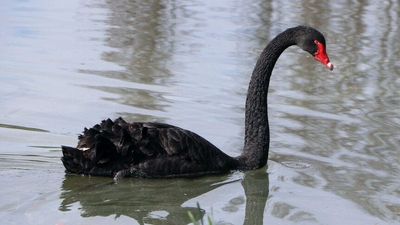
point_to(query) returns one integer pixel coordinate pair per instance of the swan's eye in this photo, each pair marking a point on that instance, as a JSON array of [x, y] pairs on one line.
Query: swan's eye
[[318, 47], [321, 55]]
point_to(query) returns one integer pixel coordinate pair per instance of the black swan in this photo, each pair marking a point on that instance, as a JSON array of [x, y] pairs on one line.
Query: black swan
[[153, 150]]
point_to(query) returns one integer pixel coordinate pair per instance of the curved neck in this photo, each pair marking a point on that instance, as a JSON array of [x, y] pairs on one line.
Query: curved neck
[[256, 143]]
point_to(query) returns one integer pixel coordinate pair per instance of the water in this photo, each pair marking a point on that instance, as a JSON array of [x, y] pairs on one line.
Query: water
[[335, 140]]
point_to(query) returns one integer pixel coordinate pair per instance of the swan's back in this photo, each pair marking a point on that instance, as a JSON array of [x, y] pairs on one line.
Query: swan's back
[[144, 150]]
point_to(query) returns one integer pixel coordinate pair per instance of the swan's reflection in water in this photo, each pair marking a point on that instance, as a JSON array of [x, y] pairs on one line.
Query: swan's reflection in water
[[157, 201]]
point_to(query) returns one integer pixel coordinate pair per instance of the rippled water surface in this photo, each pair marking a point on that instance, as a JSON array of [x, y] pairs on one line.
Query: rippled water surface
[[335, 136]]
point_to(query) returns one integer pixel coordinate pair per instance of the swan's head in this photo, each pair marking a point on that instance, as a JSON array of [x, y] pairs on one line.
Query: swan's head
[[321, 55], [313, 42]]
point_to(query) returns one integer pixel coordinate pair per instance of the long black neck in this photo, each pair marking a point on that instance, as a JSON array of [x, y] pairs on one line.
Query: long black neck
[[256, 143]]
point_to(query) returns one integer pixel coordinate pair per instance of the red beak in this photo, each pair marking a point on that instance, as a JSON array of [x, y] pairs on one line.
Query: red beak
[[322, 56]]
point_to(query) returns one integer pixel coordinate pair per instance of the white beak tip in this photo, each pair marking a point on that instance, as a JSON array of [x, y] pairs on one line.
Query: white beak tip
[[329, 65]]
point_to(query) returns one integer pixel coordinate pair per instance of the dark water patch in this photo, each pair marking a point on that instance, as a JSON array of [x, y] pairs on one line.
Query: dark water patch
[[10, 126]]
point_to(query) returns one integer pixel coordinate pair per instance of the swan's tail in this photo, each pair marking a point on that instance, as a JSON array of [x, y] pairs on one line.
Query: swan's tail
[[73, 160], [102, 150]]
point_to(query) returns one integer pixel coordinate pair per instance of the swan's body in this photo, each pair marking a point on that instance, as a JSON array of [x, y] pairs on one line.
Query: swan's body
[[118, 149], [145, 150]]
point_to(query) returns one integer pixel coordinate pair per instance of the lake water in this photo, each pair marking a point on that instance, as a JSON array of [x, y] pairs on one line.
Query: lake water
[[335, 136]]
